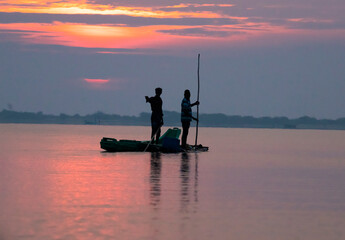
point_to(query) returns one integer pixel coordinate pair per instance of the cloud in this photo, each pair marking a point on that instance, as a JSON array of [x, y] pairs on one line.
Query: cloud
[[111, 19], [196, 7], [156, 3], [274, 15], [201, 32], [314, 24]]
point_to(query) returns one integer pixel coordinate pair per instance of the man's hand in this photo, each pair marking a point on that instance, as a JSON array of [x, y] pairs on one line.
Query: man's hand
[[196, 103], [147, 98]]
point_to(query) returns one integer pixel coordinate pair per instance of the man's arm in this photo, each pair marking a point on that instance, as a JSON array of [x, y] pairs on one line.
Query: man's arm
[[189, 115], [196, 103]]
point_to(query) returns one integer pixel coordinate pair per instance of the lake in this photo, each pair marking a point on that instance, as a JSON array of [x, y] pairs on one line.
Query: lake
[[262, 184]]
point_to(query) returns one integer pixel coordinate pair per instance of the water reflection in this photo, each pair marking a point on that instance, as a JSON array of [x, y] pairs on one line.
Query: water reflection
[[55, 184], [185, 173], [185, 179], [155, 178], [186, 176], [196, 175]]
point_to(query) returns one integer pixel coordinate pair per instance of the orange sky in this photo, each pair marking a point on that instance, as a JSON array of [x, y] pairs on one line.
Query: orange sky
[[120, 35]]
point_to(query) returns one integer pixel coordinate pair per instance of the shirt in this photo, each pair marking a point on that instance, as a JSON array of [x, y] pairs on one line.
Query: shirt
[[156, 106], [186, 111]]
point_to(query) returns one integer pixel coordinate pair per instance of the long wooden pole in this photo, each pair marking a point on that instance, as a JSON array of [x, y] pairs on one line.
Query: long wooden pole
[[197, 111]]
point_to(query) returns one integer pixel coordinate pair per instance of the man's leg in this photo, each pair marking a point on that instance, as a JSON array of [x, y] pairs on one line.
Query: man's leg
[[158, 134], [154, 130], [185, 129]]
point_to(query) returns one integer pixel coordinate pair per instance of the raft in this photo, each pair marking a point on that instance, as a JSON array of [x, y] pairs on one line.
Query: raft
[[169, 142]]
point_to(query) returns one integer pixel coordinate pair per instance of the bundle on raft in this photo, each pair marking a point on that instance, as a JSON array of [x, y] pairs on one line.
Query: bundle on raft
[[169, 142]]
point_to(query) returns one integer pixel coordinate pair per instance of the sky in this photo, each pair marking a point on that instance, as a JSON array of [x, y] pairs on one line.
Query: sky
[[258, 57]]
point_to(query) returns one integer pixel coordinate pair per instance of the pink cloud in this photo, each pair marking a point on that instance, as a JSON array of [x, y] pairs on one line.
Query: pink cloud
[[98, 81], [104, 84]]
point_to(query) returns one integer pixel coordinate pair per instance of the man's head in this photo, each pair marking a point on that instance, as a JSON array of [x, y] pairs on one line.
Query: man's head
[[187, 93], [158, 91]]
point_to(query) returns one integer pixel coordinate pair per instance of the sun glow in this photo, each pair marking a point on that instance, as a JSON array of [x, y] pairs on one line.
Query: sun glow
[[93, 36]]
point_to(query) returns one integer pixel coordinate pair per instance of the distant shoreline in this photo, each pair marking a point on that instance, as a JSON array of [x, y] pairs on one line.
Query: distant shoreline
[[173, 119]]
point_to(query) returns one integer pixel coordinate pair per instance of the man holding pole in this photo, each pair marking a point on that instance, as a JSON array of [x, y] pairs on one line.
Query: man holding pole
[[186, 116], [157, 114]]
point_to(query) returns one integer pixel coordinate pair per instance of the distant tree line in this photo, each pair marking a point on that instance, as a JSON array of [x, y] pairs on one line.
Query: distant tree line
[[173, 119]]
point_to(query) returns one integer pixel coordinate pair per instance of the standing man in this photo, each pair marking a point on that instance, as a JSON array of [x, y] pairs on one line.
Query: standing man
[[157, 114], [186, 116]]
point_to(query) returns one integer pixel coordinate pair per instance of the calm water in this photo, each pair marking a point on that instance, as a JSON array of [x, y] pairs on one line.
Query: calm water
[[56, 183]]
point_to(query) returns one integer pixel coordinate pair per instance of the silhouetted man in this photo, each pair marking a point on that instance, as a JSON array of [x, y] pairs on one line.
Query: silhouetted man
[[186, 116], [157, 114]]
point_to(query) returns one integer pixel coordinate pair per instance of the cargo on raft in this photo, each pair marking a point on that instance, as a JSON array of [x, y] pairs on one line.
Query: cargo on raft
[[169, 142]]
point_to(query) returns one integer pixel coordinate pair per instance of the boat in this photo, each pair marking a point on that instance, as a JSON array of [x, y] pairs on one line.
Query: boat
[[169, 142]]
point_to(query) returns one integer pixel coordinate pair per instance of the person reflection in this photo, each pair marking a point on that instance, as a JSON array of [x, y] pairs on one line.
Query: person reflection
[[196, 176], [184, 175], [155, 178]]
